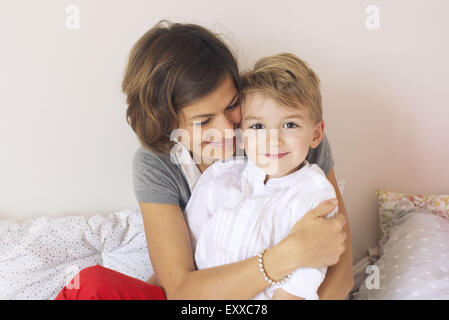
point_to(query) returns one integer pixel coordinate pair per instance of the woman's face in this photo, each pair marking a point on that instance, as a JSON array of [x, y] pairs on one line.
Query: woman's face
[[207, 125]]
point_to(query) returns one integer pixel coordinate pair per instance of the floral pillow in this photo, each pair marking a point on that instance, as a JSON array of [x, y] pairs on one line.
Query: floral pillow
[[387, 204]]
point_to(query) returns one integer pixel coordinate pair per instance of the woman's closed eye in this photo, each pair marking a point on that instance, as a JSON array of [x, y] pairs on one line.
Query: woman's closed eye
[[236, 103], [227, 108], [204, 122]]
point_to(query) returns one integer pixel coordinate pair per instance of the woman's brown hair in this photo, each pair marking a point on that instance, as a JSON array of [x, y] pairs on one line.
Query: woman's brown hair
[[170, 66]]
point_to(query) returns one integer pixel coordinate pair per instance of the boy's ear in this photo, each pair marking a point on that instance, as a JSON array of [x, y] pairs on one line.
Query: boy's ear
[[318, 134]]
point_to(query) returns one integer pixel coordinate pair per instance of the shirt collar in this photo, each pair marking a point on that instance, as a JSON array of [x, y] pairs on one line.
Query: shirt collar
[[181, 155], [256, 177], [188, 166]]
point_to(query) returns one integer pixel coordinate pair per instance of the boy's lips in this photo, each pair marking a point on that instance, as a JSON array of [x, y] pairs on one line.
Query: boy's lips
[[276, 155]]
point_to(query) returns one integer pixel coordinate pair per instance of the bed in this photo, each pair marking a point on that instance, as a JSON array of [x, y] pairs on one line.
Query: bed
[[39, 256], [412, 259]]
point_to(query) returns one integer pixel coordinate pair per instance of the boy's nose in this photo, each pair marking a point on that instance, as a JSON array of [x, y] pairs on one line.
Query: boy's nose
[[274, 142], [273, 137]]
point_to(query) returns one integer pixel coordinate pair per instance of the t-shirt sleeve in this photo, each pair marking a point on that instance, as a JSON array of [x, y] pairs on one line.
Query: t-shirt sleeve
[[322, 156], [152, 180]]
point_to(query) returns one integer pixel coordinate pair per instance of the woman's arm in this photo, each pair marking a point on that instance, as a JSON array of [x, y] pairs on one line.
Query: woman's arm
[[280, 294], [339, 278], [313, 242], [172, 258]]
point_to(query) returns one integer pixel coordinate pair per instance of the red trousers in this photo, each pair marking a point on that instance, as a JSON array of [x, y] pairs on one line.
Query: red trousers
[[100, 283]]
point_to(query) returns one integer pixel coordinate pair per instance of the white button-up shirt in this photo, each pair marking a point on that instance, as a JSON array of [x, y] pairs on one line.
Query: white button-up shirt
[[232, 214]]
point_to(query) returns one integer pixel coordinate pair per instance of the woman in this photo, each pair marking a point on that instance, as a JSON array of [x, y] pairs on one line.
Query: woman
[[182, 78]]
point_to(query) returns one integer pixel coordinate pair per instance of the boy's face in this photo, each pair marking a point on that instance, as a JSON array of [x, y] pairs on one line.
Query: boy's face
[[275, 138]]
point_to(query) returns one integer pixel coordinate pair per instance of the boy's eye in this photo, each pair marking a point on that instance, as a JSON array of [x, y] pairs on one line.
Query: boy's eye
[[290, 125], [257, 124], [294, 125]]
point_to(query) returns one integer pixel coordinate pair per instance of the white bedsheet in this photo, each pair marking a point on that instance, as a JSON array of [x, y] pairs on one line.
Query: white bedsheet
[[39, 256], [415, 260]]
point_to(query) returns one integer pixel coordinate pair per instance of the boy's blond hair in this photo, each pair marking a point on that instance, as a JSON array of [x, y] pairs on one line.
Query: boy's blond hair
[[286, 79]]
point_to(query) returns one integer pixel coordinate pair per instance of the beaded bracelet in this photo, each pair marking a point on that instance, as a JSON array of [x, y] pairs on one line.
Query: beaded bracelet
[[266, 277]]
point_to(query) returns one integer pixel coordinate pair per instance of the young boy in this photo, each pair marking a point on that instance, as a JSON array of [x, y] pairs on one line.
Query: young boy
[[245, 204]]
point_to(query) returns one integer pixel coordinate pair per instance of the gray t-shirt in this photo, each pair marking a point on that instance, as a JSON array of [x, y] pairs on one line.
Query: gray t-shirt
[[160, 179]]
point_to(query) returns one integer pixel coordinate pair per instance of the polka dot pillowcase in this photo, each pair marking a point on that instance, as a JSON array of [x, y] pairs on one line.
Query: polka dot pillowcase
[[387, 202]]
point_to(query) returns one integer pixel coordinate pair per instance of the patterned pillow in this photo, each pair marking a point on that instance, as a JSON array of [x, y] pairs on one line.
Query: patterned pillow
[[387, 205]]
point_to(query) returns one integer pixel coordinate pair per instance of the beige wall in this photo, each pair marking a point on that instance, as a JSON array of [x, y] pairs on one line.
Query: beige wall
[[67, 149]]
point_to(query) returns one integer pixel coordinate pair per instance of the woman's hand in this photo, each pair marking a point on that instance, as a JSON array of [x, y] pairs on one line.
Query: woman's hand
[[320, 241]]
